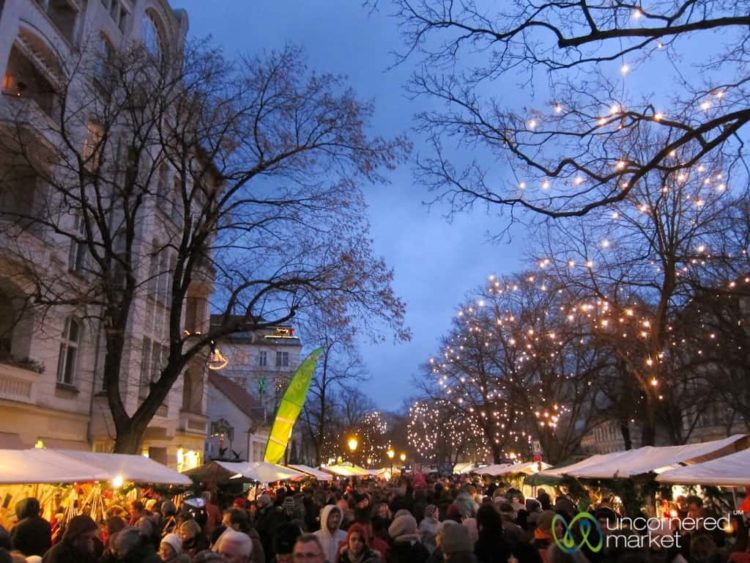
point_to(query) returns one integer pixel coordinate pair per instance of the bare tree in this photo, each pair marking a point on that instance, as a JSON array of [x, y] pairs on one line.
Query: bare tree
[[181, 177], [581, 138]]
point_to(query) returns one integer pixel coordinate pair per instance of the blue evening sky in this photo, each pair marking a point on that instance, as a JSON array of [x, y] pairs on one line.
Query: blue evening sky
[[436, 262]]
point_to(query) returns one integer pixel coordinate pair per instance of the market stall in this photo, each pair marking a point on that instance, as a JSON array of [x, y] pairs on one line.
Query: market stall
[[345, 470], [732, 470], [312, 472], [498, 470]]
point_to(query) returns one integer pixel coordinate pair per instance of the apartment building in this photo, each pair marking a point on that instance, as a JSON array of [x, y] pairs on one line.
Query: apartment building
[[51, 360]]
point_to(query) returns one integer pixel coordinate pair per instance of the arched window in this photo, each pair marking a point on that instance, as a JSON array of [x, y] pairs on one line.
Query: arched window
[[152, 36], [69, 344]]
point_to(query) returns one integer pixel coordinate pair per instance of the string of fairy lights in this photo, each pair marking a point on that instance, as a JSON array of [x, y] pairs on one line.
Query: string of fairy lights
[[515, 350]]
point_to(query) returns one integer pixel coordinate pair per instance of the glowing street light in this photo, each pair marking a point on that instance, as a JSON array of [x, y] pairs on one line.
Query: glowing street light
[[353, 443], [391, 454]]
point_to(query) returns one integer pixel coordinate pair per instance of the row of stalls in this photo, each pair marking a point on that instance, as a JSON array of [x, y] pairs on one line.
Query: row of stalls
[[670, 470]]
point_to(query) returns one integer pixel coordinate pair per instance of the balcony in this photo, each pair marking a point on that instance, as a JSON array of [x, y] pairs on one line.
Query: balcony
[[62, 14], [18, 383], [193, 423]]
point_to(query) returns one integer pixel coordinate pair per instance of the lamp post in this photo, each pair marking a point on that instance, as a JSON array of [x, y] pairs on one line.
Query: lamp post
[[403, 460], [391, 454]]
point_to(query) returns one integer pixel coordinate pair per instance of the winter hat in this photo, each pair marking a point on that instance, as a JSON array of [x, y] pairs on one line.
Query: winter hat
[[288, 505], [173, 541], [33, 559], [453, 513], [455, 538], [402, 525], [285, 537], [263, 501], [565, 505], [402, 512], [78, 525], [150, 504]]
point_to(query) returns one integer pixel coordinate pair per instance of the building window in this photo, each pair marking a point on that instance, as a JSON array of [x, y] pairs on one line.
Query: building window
[[66, 363], [282, 359], [263, 358], [152, 38], [77, 253]]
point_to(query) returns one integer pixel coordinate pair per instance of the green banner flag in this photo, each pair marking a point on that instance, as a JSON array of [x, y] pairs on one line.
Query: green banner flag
[[290, 407]]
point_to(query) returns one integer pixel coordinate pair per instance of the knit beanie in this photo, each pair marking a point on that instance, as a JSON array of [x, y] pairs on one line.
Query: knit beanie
[[455, 538], [402, 525], [78, 525], [173, 541]]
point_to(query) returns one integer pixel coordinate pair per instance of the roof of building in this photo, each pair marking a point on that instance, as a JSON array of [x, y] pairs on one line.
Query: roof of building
[[235, 393]]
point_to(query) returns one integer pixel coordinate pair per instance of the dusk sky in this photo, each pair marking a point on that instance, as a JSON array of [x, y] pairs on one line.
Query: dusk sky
[[436, 262]]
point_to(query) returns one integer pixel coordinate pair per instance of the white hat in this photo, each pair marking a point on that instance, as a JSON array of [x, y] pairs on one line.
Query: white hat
[[174, 541]]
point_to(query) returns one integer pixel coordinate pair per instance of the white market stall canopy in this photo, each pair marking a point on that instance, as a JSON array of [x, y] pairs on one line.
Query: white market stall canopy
[[732, 470], [69, 466], [346, 470], [311, 471], [465, 468], [264, 472], [649, 459], [527, 468]]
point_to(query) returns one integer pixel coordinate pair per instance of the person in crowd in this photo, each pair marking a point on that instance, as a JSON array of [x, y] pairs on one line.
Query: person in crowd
[[428, 527], [269, 518], [170, 550], [457, 545], [213, 514], [131, 546], [32, 535], [468, 509], [78, 544], [192, 537], [512, 532], [329, 535], [283, 542], [543, 534], [406, 547], [307, 549], [491, 545], [234, 547], [357, 549]]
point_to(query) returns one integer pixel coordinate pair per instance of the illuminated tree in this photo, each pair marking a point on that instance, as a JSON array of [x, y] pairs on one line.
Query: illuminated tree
[[519, 368], [579, 143], [633, 268], [443, 435]]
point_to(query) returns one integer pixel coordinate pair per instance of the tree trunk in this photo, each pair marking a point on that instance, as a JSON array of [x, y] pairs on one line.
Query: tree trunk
[[648, 431], [625, 433], [129, 442]]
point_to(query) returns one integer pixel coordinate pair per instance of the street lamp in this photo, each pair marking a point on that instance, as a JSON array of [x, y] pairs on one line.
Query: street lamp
[[402, 457], [353, 443], [391, 454]]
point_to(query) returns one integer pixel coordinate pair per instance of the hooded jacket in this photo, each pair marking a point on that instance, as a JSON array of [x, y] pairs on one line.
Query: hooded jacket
[[329, 540]]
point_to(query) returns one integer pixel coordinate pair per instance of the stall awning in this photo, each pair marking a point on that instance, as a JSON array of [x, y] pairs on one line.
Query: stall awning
[[312, 472], [346, 470], [69, 466], [264, 472], [527, 468], [649, 459], [732, 470]]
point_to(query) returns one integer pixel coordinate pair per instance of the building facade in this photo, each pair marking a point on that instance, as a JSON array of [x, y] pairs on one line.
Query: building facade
[[244, 396], [51, 388]]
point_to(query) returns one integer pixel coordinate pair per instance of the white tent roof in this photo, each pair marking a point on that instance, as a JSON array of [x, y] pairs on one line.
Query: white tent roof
[[68, 466], [317, 473], [648, 459], [136, 468], [464, 468], [265, 472], [529, 468], [346, 470], [44, 466], [729, 471]]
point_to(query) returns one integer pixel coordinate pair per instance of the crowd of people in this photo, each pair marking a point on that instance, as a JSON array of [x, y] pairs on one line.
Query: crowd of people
[[412, 521]]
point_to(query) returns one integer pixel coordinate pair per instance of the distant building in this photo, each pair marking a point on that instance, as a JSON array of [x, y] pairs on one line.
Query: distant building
[[246, 394]]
